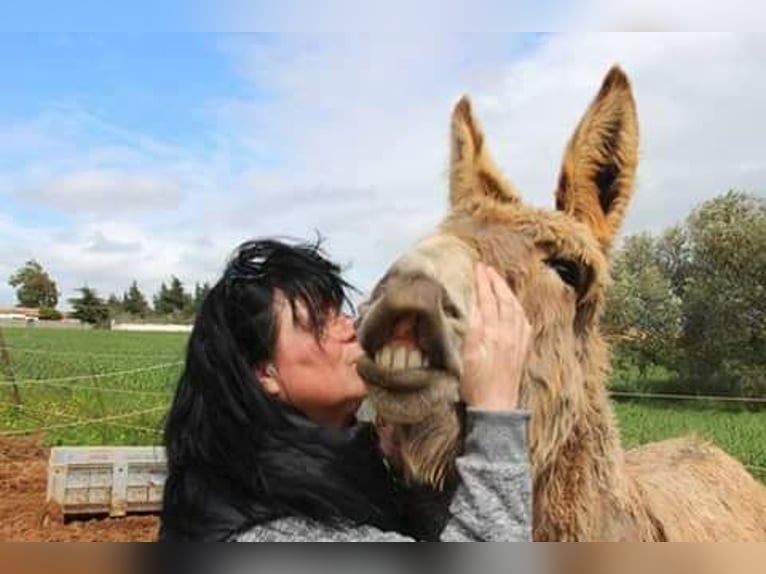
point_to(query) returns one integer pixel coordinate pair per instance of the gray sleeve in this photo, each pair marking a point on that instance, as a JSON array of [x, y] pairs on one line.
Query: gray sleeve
[[493, 500], [303, 530]]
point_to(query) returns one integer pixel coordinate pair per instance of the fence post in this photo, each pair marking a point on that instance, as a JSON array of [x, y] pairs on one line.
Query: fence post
[[7, 367], [105, 431]]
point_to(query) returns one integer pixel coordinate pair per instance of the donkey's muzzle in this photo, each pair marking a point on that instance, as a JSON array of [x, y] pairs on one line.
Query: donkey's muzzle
[[407, 312]]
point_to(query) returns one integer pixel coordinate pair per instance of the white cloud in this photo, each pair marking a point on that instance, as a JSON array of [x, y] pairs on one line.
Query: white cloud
[[102, 244], [103, 191], [374, 117], [351, 139], [699, 103], [485, 16], [669, 15]]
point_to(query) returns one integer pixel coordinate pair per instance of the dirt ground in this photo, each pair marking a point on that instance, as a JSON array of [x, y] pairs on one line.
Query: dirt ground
[[23, 477]]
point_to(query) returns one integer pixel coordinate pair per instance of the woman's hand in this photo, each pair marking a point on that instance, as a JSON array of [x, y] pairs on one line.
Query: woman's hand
[[495, 346]]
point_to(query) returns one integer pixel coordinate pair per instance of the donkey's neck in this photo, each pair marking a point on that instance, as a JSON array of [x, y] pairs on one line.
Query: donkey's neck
[[586, 493]]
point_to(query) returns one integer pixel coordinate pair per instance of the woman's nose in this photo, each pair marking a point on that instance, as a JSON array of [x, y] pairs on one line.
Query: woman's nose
[[343, 328]]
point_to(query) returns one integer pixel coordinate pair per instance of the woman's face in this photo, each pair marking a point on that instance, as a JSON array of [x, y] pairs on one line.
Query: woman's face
[[319, 378]]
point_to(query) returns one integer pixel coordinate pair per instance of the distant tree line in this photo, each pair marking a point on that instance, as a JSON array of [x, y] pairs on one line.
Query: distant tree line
[[171, 303], [35, 288], [692, 301]]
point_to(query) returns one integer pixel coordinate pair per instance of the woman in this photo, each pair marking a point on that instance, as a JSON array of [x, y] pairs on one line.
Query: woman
[[262, 440]]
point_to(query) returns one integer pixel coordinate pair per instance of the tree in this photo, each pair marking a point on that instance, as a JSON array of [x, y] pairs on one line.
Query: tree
[[134, 302], [90, 308], [173, 300], [200, 292], [160, 300], [673, 256], [34, 287], [114, 303], [643, 314], [723, 289]]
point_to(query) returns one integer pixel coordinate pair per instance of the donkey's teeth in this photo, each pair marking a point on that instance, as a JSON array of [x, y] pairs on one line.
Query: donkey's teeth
[[384, 357], [399, 358], [414, 359]]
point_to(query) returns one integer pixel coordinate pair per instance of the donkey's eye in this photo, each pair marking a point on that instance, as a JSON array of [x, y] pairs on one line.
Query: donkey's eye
[[570, 272]]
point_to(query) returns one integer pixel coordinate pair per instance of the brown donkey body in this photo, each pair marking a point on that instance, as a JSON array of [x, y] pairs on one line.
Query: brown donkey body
[[585, 486]]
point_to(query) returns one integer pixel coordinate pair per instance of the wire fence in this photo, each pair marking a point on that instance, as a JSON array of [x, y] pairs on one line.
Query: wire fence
[[106, 419], [115, 390], [64, 382], [65, 420], [47, 413], [51, 418], [111, 374], [36, 351], [680, 397]]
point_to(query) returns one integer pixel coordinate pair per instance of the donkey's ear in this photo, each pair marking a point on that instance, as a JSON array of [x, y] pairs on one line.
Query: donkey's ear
[[473, 174], [597, 177]]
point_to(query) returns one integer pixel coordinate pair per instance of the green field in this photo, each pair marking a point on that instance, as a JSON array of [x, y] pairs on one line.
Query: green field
[[102, 389], [91, 375]]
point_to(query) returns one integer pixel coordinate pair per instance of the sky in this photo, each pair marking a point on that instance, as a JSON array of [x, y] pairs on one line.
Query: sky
[[137, 156]]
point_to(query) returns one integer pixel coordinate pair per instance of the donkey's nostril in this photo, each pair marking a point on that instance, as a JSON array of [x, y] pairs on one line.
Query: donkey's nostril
[[450, 310]]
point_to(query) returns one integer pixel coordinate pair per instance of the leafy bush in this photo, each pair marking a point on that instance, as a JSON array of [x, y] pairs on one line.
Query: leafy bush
[[50, 314]]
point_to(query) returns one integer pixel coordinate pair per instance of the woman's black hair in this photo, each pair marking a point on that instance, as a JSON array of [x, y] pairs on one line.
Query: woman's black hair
[[236, 456]]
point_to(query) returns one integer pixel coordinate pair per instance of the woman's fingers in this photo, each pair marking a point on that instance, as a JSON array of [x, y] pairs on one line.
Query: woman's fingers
[[505, 302], [492, 304], [495, 345], [487, 304], [474, 319], [510, 312]]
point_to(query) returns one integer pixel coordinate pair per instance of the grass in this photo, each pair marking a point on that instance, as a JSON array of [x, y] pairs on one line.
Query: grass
[[39, 353], [741, 433], [97, 358], [626, 376]]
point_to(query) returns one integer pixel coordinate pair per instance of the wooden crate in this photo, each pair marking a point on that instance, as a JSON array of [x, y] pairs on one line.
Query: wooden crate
[[112, 480]]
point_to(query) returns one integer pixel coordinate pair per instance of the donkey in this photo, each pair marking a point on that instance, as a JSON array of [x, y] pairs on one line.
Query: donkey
[[586, 487]]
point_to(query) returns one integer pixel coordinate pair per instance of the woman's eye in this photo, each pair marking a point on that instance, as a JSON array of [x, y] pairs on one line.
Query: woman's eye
[[569, 271]]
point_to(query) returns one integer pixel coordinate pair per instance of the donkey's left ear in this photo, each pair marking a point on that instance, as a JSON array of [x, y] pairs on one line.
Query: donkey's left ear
[[473, 174], [599, 168]]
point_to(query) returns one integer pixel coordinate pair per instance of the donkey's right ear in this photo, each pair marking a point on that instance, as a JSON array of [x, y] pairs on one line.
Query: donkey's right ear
[[473, 174], [599, 167]]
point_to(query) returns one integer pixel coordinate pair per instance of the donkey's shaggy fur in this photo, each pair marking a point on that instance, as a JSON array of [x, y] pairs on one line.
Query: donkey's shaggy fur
[[585, 486]]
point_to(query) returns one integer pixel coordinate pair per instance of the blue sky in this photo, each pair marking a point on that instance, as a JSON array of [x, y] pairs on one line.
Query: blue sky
[[151, 81], [137, 156], [95, 91]]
